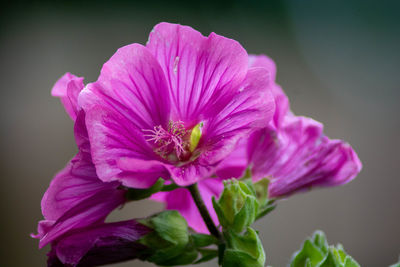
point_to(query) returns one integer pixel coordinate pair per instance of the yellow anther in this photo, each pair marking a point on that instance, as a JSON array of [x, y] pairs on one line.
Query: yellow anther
[[195, 136]]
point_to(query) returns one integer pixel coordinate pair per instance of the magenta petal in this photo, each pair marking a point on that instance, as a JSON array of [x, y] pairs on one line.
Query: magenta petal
[[114, 137], [139, 173], [281, 100], [252, 108], [133, 85], [203, 72], [300, 156], [102, 244], [235, 163], [67, 88], [262, 61], [76, 182], [190, 173], [90, 211], [81, 136], [43, 227]]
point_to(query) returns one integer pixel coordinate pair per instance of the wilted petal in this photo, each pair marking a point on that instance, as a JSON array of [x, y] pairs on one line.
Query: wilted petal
[[67, 88], [43, 227], [75, 183], [89, 211], [100, 245], [203, 72], [300, 156]]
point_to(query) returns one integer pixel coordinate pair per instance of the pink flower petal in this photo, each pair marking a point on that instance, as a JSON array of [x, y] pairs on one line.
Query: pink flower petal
[[133, 85], [75, 183], [203, 72], [252, 108], [114, 137], [102, 244], [67, 88], [281, 100], [89, 211], [138, 173], [300, 156]]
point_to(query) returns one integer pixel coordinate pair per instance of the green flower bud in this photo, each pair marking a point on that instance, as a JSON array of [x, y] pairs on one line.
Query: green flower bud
[[317, 252], [243, 250], [237, 207], [170, 243]]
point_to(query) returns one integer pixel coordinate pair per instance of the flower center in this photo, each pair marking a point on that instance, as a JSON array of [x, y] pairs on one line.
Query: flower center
[[175, 143]]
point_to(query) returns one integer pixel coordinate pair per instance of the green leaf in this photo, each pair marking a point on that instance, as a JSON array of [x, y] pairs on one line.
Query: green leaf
[[138, 194], [203, 240]]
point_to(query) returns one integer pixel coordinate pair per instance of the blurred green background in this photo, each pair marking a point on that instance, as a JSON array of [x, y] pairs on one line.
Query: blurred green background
[[338, 61]]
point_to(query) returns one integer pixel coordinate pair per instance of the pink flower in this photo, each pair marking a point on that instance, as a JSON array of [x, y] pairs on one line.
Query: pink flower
[[293, 152], [100, 244], [174, 108], [76, 198], [289, 150]]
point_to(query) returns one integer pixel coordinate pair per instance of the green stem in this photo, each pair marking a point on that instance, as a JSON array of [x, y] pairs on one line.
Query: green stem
[[194, 191]]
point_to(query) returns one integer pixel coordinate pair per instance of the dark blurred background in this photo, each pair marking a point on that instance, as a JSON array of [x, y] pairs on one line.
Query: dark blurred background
[[338, 61]]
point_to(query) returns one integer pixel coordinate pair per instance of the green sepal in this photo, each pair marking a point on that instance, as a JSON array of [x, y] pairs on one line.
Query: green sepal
[[169, 243], [138, 194], [247, 174], [203, 240], [237, 207], [330, 260], [310, 254], [264, 210], [243, 249], [350, 262], [316, 252], [246, 215], [261, 190], [319, 239]]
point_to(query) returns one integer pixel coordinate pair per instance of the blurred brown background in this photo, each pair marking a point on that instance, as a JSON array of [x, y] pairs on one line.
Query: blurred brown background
[[338, 61]]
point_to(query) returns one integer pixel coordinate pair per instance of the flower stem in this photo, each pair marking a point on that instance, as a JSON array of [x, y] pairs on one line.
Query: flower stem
[[194, 191]]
